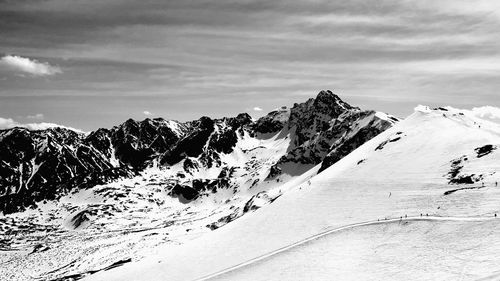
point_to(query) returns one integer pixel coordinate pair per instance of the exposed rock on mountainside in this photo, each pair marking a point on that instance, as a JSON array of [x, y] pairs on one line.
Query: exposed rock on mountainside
[[39, 165], [273, 122], [329, 126], [137, 142], [397, 187], [206, 154]]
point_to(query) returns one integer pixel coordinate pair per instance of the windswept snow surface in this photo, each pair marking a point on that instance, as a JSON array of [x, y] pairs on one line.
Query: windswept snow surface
[[433, 250], [414, 169]]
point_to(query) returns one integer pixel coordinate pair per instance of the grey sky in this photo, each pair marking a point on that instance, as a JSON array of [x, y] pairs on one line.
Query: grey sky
[[106, 61]]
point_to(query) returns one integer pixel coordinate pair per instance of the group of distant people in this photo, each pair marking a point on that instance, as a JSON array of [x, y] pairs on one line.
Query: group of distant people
[[421, 215], [390, 194]]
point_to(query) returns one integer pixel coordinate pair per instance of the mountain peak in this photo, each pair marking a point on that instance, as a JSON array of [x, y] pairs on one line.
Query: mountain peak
[[326, 94], [329, 99]]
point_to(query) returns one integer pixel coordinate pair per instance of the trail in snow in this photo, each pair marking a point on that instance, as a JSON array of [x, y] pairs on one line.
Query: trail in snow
[[338, 229], [414, 167]]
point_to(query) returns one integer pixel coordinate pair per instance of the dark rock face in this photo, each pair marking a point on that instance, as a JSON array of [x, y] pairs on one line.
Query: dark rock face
[[485, 150], [224, 141], [273, 122], [184, 193], [192, 144], [187, 193], [326, 129], [350, 144], [136, 142], [46, 164], [252, 204], [39, 165], [241, 120], [315, 115], [455, 176]]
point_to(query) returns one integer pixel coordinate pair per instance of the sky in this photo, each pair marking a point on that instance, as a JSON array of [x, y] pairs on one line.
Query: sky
[[94, 63]]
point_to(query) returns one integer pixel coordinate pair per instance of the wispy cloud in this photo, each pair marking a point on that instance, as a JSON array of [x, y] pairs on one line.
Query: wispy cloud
[[147, 113], [257, 108], [220, 56], [26, 65], [9, 123], [488, 112], [38, 116]]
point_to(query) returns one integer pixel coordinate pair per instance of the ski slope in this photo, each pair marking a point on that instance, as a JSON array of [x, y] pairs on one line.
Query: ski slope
[[405, 171], [395, 250]]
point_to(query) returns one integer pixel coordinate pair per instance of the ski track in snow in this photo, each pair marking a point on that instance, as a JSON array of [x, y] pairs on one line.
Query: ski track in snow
[[337, 229]]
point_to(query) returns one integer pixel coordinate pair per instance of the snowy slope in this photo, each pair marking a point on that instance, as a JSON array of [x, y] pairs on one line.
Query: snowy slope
[[180, 181], [407, 250], [90, 229], [414, 169]]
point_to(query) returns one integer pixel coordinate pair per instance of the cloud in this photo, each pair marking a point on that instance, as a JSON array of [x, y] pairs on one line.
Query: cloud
[[27, 65], [257, 108], [37, 116], [487, 112], [147, 113], [9, 123], [386, 55]]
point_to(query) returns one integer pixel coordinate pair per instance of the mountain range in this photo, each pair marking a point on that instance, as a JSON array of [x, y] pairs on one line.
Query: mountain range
[[315, 190], [46, 164], [420, 201]]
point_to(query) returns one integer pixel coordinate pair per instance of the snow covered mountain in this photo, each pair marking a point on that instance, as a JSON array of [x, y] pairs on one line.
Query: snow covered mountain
[[38, 165], [157, 181], [418, 202]]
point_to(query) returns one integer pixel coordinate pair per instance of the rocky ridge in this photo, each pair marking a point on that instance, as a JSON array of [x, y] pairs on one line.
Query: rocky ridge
[[44, 165]]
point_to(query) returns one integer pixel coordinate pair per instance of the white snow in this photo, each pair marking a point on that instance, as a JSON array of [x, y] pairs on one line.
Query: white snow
[[321, 225], [408, 250], [175, 127], [385, 116], [408, 176], [129, 218]]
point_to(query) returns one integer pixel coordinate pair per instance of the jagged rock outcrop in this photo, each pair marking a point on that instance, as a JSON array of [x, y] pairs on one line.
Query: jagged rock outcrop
[[273, 122], [39, 165], [365, 126], [191, 145], [43, 165], [137, 142], [326, 129]]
